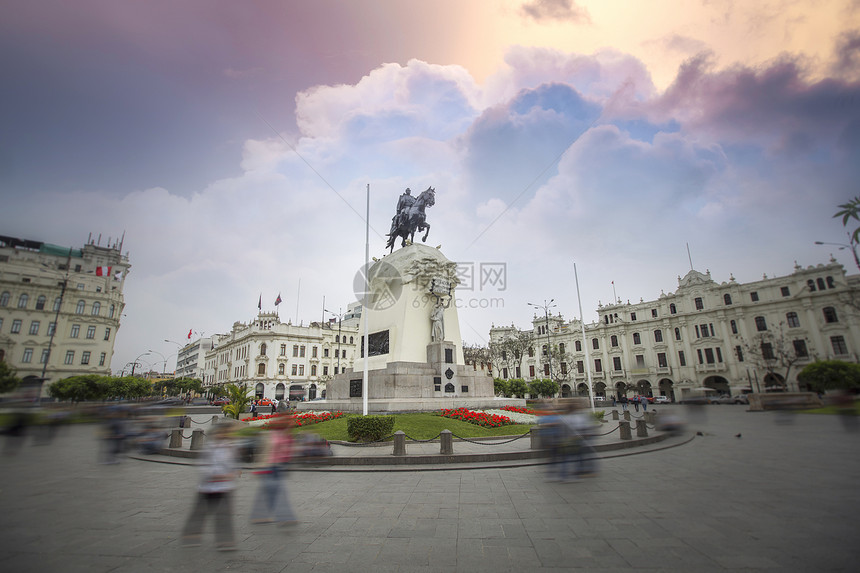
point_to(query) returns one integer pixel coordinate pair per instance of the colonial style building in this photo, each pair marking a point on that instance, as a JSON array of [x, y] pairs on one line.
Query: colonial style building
[[60, 308], [730, 337], [280, 360]]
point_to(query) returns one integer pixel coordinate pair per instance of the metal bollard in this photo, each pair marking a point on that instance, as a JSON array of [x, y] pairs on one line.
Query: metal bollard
[[197, 440], [175, 439], [615, 415], [641, 430], [446, 443], [627, 415], [625, 430], [214, 419], [399, 443]]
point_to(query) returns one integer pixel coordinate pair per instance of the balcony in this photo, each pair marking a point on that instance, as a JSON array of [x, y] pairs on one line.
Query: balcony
[[716, 367]]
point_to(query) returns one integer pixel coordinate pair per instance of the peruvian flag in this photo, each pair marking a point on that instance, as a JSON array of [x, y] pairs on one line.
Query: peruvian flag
[[102, 271], [189, 335], [278, 300]]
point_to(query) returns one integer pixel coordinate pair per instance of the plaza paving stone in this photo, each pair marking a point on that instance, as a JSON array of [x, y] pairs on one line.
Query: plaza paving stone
[[782, 497]]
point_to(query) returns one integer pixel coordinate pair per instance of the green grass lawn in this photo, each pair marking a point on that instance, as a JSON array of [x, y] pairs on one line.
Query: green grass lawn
[[831, 410], [421, 426]]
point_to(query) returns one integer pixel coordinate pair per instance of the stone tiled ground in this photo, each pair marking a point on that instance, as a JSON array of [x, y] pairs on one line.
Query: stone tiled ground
[[782, 497]]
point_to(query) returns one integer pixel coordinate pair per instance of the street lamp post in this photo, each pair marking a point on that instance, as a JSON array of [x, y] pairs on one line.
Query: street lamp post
[[852, 244], [546, 306], [134, 364]]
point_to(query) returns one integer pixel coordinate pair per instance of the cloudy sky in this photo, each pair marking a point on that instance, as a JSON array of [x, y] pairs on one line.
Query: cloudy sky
[[233, 143]]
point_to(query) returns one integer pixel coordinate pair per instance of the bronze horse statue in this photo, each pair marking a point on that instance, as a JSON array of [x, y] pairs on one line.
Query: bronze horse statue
[[412, 219]]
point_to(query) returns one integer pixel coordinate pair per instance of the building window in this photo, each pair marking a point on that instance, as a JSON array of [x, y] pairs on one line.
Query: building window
[[561, 347], [830, 314], [595, 344], [580, 366], [281, 369], [839, 346], [616, 363], [699, 355], [830, 283], [91, 332], [505, 373], [4, 298], [23, 300], [295, 369], [531, 371], [811, 285], [325, 370], [314, 352], [767, 351], [613, 340], [40, 302], [263, 349], [70, 357], [85, 357], [97, 308], [531, 351], [302, 351], [543, 350], [577, 344], [700, 304], [295, 350], [661, 360], [677, 333], [45, 354], [673, 309], [784, 290], [682, 360], [632, 316], [760, 323], [51, 327], [313, 369], [301, 369], [640, 361], [16, 326], [740, 352], [57, 302], [107, 333], [800, 349], [719, 354], [283, 349], [325, 352], [261, 369], [111, 310], [734, 326], [351, 340], [546, 369], [28, 356], [792, 320], [598, 365], [337, 338], [564, 368], [754, 296], [76, 330], [658, 336], [34, 327], [727, 299], [636, 338], [653, 313], [79, 309]]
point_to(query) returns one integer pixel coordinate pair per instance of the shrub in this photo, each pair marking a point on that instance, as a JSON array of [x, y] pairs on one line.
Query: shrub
[[369, 428], [599, 414]]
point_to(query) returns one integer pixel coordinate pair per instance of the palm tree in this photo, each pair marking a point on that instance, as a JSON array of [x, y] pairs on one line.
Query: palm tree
[[239, 400]]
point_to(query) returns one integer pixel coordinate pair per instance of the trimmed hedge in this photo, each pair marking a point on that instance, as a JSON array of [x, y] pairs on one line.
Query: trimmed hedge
[[369, 428]]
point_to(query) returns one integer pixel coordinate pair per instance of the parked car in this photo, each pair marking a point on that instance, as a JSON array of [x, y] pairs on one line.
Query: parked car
[[264, 402], [221, 402], [661, 400]]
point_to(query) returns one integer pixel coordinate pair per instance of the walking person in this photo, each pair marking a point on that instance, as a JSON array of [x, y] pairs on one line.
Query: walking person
[[623, 400], [218, 473], [644, 401], [271, 504], [635, 401]]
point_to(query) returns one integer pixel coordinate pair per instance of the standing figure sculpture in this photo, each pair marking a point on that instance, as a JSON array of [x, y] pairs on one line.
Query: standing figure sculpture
[[410, 217], [437, 320]]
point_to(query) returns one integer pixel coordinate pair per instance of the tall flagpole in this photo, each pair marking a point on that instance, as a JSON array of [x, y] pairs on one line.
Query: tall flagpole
[[584, 341], [364, 310], [298, 296]]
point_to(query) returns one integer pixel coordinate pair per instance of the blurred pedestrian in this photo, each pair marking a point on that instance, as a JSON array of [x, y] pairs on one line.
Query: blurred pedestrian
[[635, 401], [218, 472], [644, 401], [624, 400], [114, 433], [272, 504], [253, 409]]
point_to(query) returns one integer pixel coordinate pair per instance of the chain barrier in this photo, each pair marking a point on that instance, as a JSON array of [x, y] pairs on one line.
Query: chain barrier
[[209, 421], [184, 437], [609, 432], [363, 444], [482, 443], [423, 441]]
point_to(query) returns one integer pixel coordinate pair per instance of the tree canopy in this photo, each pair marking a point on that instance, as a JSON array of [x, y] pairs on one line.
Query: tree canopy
[[8, 380], [831, 375]]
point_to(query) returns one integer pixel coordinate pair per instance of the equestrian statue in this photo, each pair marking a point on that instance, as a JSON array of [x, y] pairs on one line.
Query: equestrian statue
[[410, 217]]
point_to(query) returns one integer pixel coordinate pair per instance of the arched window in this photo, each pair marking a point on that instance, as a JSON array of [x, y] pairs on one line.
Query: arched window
[[350, 340], [258, 391], [111, 310], [261, 369], [337, 338], [282, 369], [4, 298], [543, 349], [699, 302], [830, 283], [792, 320], [636, 338], [760, 323], [263, 349], [79, 309], [734, 326], [673, 309], [578, 345], [40, 302], [23, 300], [677, 333], [595, 344], [97, 308], [561, 347], [531, 351], [613, 340], [820, 282], [830, 314], [727, 299], [658, 336], [811, 284]]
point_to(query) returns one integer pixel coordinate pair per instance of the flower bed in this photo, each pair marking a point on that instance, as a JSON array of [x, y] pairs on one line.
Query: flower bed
[[306, 419], [477, 418], [518, 410]]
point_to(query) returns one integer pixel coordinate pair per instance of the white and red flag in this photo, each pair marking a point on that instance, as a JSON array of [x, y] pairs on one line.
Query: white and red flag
[[103, 271]]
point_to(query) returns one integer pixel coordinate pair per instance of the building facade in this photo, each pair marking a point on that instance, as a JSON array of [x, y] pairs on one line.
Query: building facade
[[730, 337], [280, 360], [191, 359], [60, 308]]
